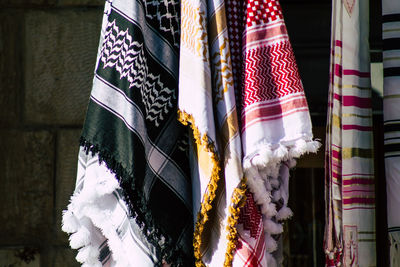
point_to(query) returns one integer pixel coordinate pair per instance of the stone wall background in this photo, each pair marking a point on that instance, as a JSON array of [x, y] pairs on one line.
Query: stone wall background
[[47, 58]]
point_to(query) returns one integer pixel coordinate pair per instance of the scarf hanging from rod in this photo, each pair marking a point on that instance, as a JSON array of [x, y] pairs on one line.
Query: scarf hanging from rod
[[349, 166], [391, 102], [207, 104], [275, 124], [133, 204]]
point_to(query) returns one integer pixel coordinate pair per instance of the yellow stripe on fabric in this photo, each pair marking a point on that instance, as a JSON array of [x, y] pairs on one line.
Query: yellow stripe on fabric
[[391, 58], [205, 144], [336, 121], [391, 96], [229, 128], [391, 30], [217, 23], [351, 86], [346, 115], [351, 152], [359, 196]]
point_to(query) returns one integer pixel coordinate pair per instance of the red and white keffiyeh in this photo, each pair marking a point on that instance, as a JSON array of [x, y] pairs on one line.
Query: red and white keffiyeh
[[275, 122]]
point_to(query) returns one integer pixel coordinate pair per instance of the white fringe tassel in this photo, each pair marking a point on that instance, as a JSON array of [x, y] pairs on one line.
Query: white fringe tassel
[[89, 221], [267, 173]]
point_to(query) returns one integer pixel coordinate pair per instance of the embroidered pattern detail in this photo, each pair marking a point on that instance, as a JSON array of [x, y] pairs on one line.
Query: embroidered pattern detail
[[222, 71], [271, 72], [351, 245], [349, 4], [164, 13], [119, 51], [194, 30], [250, 216], [263, 11]]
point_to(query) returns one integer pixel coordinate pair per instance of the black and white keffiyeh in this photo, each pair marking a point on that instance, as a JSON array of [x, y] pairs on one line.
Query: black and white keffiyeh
[[131, 133]]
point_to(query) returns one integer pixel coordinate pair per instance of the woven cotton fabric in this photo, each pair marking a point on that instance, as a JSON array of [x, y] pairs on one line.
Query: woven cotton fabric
[[391, 102], [275, 123], [131, 126], [178, 195], [349, 166], [207, 103]]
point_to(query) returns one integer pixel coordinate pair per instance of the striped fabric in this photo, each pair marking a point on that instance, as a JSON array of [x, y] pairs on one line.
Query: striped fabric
[[85, 217], [391, 64], [349, 173], [207, 103], [275, 122], [143, 210]]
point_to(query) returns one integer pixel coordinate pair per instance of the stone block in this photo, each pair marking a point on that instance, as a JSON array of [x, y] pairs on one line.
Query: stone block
[[65, 257], [10, 67], [27, 3], [19, 257], [67, 160], [81, 2], [26, 191], [58, 256], [61, 50]]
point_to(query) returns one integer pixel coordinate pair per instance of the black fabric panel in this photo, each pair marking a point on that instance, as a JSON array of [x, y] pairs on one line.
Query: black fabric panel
[[395, 71], [391, 127], [391, 44], [391, 18]]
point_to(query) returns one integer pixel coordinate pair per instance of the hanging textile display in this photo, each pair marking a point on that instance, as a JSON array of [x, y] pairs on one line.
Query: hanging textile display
[[131, 135], [349, 172], [391, 102], [161, 169], [275, 124], [207, 104]]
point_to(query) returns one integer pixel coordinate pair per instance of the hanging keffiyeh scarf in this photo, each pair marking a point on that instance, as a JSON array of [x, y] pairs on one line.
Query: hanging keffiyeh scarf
[[207, 103], [131, 127], [391, 64], [349, 175], [276, 125]]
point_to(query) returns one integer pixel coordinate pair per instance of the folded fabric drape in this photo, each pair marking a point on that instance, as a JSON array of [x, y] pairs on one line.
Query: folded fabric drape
[[391, 102], [131, 128], [349, 165], [207, 103], [275, 121], [151, 191]]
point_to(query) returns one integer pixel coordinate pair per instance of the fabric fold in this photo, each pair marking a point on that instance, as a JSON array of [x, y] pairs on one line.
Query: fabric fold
[[275, 120], [207, 103], [132, 128], [349, 166]]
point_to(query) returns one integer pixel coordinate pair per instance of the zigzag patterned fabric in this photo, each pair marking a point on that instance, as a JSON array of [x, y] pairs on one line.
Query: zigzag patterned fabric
[[349, 166], [275, 124], [133, 194], [391, 102]]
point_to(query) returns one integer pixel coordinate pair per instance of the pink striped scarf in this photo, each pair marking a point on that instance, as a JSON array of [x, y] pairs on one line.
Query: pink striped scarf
[[275, 124], [349, 173]]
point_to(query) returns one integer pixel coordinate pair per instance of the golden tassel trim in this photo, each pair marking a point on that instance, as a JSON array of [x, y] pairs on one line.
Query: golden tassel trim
[[202, 216], [238, 200]]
